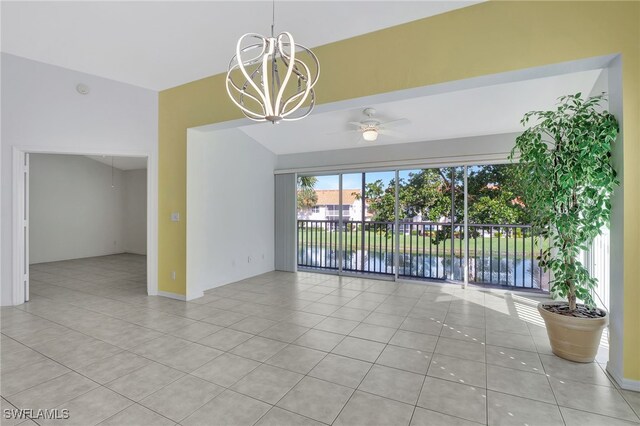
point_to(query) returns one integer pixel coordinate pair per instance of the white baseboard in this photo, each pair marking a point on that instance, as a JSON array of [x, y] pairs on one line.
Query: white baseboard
[[628, 384], [190, 296], [209, 286], [172, 295], [194, 295]]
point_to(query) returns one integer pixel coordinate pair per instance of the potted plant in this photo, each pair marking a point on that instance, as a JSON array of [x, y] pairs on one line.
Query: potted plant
[[565, 156]]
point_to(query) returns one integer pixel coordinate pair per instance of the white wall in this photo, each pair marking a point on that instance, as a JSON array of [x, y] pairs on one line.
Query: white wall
[[73, 210], [445, 152], [230, 209], [617, 234], [41, 111], [135, 205], [230, 195]]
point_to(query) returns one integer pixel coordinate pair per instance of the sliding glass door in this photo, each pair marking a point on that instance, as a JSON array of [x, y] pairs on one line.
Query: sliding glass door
[[503, 247], [413, 224], [429, 212], [318, 203], [368, 228]]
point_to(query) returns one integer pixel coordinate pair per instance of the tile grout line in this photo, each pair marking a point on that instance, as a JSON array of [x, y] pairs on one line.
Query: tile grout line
[[486, 373], [100, 384], [166, 333], [306, 375], [71, 370]]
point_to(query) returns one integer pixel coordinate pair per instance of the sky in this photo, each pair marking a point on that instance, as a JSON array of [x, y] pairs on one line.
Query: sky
[[354, 180]]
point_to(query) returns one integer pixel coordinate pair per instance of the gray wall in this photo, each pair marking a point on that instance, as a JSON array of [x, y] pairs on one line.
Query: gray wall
[[285, 222], [41, 109], [443, 151], [74, 212], [135, 224], [230, 209]]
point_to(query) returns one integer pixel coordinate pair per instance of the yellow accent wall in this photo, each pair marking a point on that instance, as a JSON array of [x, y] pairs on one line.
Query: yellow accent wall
[[487, 38]]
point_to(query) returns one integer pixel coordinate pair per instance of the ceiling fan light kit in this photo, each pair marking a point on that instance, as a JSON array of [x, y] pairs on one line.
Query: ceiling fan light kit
[[272, 82], [370, 135], [370, 128]]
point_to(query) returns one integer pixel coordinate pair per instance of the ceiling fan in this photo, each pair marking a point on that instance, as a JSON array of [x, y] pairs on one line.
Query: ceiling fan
[[370, 127]]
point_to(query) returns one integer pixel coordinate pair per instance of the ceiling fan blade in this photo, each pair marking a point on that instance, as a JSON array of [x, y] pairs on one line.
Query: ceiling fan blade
[[394, 123], [391, 133], [355, 123]]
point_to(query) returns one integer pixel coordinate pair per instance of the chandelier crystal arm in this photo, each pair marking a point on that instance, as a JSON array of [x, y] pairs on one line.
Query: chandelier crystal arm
[[247, 112], [276, 97], [312, 103], [301, 77], [255, 60], [268, 106], [242, 92], [242, 68], [315, 60], [302, 95], [285, 57]]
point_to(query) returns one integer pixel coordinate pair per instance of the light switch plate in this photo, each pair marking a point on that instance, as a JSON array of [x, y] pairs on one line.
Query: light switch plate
[[175, 217]]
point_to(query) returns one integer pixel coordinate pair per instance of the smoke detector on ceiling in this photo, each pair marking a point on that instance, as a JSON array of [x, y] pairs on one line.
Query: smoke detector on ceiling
[[83, 89]]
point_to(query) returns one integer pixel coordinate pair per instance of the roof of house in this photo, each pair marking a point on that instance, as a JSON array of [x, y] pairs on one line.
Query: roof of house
[[332, 196]]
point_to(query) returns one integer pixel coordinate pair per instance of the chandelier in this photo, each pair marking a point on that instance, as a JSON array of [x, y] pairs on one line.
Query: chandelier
[[268, 79]]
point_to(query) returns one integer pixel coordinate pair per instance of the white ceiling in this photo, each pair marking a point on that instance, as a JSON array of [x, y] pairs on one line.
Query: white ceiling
[[122, 163], [158, 45], [486, 110]]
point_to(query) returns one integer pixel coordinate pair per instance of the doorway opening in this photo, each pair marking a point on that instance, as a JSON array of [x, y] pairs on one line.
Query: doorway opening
[[85, 227]]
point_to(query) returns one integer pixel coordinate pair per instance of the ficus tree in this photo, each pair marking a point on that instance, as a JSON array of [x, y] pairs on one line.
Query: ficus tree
[[565, 156]]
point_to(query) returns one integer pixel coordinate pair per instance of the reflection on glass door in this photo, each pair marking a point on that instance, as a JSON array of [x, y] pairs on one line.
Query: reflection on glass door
[[503, 248], [428, 225], [356, 223], [369, 230], [318, 221]]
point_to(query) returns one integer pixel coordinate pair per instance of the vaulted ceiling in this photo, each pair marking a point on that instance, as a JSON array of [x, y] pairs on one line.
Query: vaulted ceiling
[[485, 110], [158, 45]]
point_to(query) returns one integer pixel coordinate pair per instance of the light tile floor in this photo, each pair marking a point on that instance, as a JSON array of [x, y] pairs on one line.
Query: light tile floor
[[289, 349]]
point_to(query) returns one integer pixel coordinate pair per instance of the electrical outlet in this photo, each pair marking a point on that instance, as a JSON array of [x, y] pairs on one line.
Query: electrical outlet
[[173, 275]]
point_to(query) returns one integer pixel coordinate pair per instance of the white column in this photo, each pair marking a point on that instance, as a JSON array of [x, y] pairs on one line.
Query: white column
[[396, 258], [340, 224], [465, 269]]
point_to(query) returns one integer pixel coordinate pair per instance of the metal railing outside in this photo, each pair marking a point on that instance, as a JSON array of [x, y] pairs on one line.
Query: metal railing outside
[[369, 247], [498, 254], [318, 244]]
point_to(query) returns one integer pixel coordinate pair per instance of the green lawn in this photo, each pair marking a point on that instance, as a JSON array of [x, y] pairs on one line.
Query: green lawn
[[415, 243]]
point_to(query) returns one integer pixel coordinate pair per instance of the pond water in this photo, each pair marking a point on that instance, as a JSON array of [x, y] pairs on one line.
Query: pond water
[[497, 270]]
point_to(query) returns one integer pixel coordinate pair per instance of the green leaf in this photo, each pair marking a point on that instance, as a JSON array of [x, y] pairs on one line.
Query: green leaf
[[569, 183]]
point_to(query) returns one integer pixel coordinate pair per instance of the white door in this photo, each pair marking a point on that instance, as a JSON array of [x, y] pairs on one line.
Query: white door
[[25, 227]]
